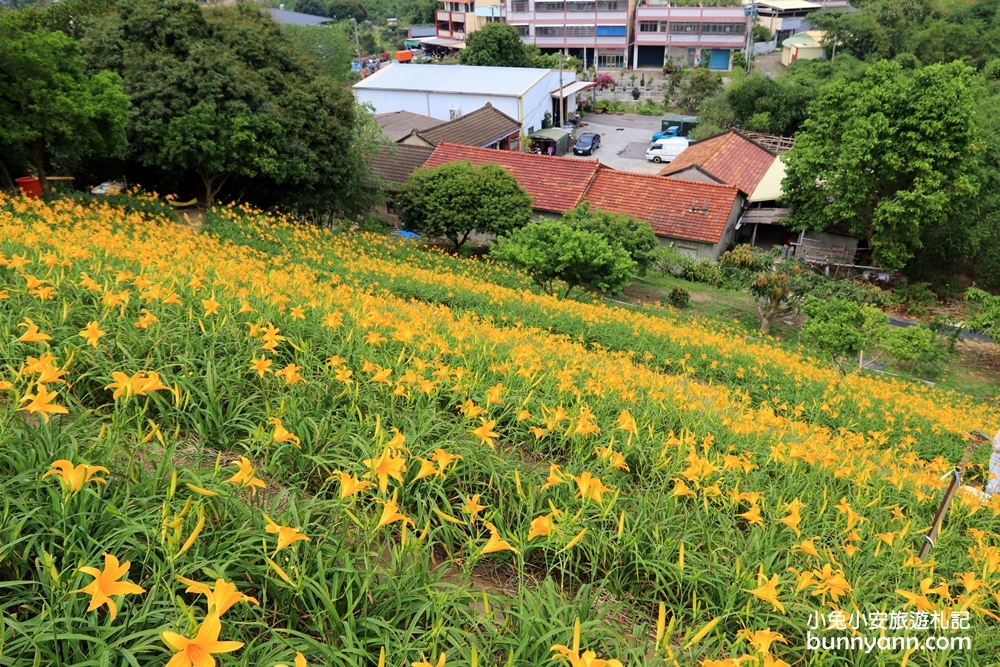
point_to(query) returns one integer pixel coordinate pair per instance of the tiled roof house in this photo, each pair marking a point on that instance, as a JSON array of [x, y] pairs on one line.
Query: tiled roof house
[[728, 158], [696, 216], [555, 184]]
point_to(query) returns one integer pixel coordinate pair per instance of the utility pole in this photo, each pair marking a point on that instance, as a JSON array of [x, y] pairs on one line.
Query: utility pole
[[561, 123], [357, 43]]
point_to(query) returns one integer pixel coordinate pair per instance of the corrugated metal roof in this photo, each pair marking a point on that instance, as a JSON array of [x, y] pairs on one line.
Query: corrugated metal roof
[[296, 18], [810, 39], [769, 187], [416, 31], [790, 5], [468, 79]]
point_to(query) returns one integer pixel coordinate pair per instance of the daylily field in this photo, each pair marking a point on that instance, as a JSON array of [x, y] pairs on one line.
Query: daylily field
[[262, 444]]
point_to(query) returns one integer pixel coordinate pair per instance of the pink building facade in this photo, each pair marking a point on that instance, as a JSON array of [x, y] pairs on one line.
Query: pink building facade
[[688, 35], [596, 31]]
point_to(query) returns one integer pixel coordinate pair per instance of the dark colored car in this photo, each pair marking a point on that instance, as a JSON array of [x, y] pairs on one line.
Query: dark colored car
[[587, 143]]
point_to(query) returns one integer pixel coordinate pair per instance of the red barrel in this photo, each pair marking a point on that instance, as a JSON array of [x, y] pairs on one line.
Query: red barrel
[[30, 186]]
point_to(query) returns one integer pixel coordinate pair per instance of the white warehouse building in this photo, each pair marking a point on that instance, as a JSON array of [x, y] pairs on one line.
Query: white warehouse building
[[450, 91]]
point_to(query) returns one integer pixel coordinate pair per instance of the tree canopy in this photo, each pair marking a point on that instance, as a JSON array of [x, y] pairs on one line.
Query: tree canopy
[[222, 93], [458, 198], [50, 109], [635, 237], [890, 155], [554, 251], [495, 45]]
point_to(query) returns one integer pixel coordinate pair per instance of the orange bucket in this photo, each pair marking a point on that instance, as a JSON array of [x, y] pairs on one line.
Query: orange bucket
[[30, 186]]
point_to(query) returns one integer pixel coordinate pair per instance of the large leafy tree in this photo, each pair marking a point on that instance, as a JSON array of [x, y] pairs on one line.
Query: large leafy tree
[[223, 95], [50, 108], [890, 155], [314, 7], [552, 252], [458, 198], [635, 237], [496, 45]]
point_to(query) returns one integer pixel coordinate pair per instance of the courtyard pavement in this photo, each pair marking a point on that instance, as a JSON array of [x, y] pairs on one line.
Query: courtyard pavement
[[624, 140]]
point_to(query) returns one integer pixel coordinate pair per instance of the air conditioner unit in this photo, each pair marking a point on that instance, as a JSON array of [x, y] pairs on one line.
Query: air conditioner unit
[[454, 112]]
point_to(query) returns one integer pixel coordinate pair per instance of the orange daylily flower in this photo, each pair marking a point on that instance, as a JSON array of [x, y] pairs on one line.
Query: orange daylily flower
[[281, 434], [41, 402], [218, 597], [246, 476], [31, 333], [106, 585], [73, 478], [495, 543], [198, 652], [349, 484], [286, 535], [92, 333]]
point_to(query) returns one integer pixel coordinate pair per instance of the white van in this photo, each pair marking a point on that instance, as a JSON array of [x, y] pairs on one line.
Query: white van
[[665, 150]]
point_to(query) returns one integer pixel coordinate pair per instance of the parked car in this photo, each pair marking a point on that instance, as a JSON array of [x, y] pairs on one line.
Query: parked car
[[587, 143], [672, 131], [665, 150]]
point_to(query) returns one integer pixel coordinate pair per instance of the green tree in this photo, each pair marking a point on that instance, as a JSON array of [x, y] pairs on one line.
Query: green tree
[[891, 156], [634, 236], [458, 198], [329, 44], [841, 328], [552, 251], [50, 109], [699, 85], [987, 317], [551, 60], [314, 7], [223, 94], [778, 291], [495, 45], [347, 9]]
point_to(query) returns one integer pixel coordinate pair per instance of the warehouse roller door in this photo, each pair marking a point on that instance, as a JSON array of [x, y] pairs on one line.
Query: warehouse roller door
[[650, 56], [719, 59]]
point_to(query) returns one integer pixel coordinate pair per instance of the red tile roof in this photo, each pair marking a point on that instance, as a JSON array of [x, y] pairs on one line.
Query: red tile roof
[[555, 184], [730, 158], [666, 203]]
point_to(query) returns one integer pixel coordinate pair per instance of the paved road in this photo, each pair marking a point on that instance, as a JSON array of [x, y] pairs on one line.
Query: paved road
[[966, 335], [624, 140]]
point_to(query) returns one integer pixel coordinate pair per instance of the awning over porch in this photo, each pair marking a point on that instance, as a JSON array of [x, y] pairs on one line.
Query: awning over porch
[[442, 42], [573, 88]]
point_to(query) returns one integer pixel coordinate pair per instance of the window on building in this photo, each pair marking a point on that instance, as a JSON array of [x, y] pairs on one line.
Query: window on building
[[580, 6], [549, 6], [548, 31], [612, 31], [580, 30], [649, 26], [523, 30], [610, 5], [610, 61], [724, 28], [677, 28], [444, 25], [519, 6]]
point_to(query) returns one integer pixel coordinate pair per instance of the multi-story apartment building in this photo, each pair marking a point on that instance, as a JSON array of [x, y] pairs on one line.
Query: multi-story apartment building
[[455, 20], [688, 34], [596, 31]]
